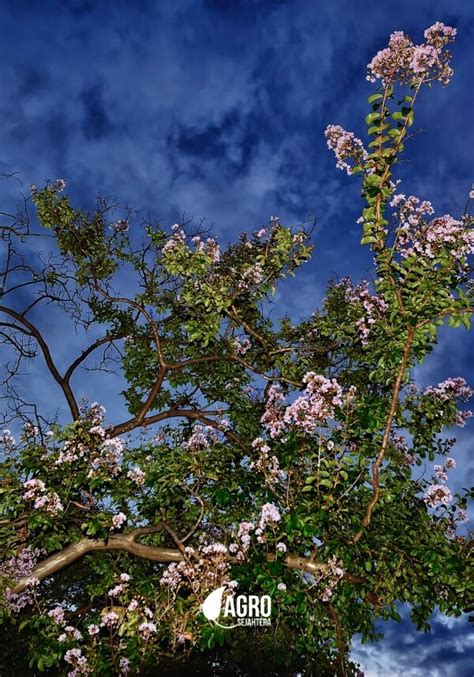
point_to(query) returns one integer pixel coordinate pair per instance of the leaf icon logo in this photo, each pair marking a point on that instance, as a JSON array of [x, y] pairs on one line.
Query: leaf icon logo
[[211, 607]]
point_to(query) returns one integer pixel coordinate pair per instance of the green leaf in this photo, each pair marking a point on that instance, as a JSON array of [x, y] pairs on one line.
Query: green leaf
[[372, 117], [375, 97]]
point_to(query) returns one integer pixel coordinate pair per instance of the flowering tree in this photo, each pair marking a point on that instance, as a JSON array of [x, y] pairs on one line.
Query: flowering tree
[[262, 459]]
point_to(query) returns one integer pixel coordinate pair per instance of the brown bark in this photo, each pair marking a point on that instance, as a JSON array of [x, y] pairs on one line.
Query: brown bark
[[128, 543]]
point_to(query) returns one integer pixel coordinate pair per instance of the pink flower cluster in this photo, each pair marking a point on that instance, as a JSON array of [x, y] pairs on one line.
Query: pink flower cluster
[[450, 390], [440, 35], [441, 471], [270, 514], [202, 570], [36, 491], [331, 578], [212, 250], [7, 440], [244, 536], [20, 566], [109, 619], [107, 459], [241, 345], [410, 210], [146, 629], [400, 444], [436, 495], [103, 454], [177, 240], [254, 275], [120, 226], [118, 520], [266, 464], [417, 237], [307, 412], [137, 476], [56, 187], [345, 146], [406, 62], [57, 614], [201, 438], [30, 431], [95, 413], [210, 247], [70, 632], [272, 418], [79, 662], [372, 305], [124, 666]]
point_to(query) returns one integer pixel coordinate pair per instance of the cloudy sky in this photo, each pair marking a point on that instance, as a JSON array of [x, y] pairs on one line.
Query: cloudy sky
[[216, 109]]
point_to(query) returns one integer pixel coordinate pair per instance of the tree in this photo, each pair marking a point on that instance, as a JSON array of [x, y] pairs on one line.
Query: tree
[[255, 458]]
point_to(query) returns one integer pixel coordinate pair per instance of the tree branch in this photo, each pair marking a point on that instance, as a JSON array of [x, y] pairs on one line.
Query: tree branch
[[386, 435], [65, 387], [127, 542]]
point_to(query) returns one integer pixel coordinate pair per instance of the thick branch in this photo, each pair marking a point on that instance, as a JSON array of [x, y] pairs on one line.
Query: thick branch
[[126, 542], [71, 553]]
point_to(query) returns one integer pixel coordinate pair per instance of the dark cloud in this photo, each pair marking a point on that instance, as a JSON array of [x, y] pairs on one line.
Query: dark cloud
[[446, 651], [96, 123]]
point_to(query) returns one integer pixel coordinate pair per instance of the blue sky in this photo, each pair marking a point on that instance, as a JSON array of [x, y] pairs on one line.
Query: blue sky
[[216, 109]]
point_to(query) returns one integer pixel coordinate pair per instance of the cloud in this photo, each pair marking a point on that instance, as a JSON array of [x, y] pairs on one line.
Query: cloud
[[446, 651]]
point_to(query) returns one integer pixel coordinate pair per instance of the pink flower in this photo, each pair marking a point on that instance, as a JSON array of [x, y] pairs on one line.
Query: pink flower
[[440, 473], [175, 242], [116, 590], [120, 226], [58, 186], [75, 658], [147, 629], [57, 614], [124, 665], [345, 146], [7, 440], [137, 476], [118, 519], [110, 618], [202, 437], [405, 62], [436, 495], [212, 250], [269, 515], [438, 34], [241, 346], [424, 57]]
